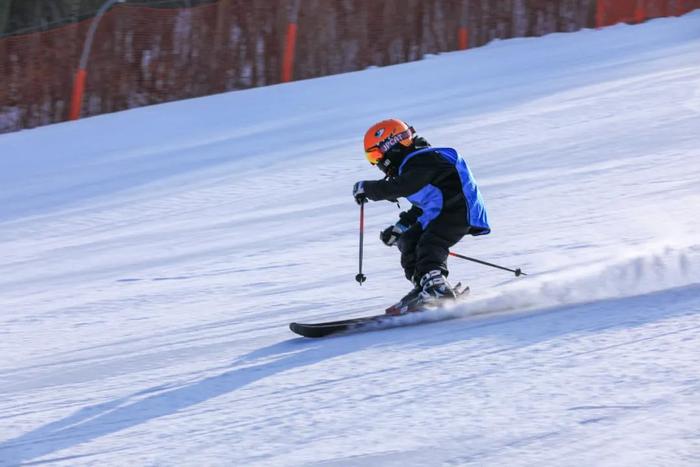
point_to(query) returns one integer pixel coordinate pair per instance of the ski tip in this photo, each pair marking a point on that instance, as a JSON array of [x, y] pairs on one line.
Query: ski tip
[[297, 329], [315, 331]]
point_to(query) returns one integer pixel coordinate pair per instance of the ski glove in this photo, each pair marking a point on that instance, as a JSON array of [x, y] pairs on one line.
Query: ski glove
[[358, 192], [391, 234]]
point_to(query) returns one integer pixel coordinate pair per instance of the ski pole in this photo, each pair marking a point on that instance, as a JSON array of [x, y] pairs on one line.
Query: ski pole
[[518, 272], [361, 277]]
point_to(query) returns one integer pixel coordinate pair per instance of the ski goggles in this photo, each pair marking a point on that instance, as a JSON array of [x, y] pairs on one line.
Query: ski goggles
[[373, 155]]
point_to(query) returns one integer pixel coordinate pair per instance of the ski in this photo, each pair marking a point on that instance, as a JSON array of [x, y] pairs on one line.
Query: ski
[[316, 330], [365, 323]]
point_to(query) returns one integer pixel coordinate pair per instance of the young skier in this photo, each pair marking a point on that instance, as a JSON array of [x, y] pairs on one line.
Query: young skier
[[447, 205]]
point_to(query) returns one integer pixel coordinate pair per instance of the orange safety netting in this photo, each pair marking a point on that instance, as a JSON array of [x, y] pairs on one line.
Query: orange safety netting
[[140, 56], [144, 56], [609, 12]]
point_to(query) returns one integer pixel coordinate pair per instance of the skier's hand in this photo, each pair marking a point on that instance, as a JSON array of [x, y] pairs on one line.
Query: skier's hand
[[391, 234], [358, 192]]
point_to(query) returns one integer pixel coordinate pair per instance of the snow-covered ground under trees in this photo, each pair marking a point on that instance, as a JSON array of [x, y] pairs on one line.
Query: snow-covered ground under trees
[[152, 260]]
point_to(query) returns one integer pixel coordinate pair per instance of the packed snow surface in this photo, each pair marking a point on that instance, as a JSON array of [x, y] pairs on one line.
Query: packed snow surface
[[152, 260]]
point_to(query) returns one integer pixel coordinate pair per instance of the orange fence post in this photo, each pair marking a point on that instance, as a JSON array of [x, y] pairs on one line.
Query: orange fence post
[[76, 101], [599, 13], [81, 75], [290, 41], [463, 32], [640, 13], [463, 38], [289, 46]]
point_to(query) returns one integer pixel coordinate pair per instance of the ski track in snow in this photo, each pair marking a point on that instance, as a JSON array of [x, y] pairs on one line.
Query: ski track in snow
[[147, 277]]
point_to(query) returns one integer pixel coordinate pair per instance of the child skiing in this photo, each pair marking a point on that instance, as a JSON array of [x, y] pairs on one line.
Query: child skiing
[[447, 205]]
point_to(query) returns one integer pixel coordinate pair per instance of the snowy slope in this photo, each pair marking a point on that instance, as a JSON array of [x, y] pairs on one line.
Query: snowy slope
[[152, 259]]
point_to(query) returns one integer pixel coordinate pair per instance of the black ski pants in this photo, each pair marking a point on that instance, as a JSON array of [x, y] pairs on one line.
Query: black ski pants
[[425, 250]]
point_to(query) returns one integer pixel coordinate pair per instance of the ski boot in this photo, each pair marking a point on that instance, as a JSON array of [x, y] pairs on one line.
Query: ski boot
[[403, 305], [435, 289], [432, 289]]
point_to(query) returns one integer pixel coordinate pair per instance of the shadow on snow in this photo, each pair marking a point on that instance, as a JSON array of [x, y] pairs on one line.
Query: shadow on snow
[[521, 329]]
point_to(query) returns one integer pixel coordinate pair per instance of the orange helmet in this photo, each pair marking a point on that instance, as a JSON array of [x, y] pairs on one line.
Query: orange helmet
[[383, 136]]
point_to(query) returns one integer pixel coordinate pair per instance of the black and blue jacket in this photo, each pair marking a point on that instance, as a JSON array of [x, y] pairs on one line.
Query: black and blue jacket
[[439, 184]]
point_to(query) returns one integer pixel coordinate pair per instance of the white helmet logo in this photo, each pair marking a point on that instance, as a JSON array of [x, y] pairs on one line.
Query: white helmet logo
[[379, 133]]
